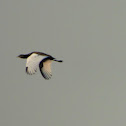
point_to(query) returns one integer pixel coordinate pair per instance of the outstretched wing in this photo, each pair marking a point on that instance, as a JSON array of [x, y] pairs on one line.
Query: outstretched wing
[[45, 68], [32, 63]]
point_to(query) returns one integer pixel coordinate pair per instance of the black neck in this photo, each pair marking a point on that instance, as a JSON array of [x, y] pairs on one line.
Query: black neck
[[24, 56]]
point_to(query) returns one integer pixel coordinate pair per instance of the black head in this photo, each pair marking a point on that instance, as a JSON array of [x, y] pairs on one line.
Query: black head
[[24, 56]]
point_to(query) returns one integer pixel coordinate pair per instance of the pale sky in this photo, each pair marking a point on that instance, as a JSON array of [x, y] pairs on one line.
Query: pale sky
[[89, 87]]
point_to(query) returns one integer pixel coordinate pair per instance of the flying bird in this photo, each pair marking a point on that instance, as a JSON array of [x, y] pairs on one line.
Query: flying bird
[[39, 60]]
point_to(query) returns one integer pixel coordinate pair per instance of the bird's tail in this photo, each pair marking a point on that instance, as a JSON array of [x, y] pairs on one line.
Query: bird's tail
[[58, 60]]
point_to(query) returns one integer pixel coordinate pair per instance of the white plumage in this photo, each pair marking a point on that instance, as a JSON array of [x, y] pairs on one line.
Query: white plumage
[[32, 63], [38, 60]]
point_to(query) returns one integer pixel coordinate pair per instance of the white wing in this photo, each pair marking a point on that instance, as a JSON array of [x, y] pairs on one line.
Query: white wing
[[45, 68], [32, 63]]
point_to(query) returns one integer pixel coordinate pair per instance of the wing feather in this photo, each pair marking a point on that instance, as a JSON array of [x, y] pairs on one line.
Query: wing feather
[[45, 68], [32, 63]]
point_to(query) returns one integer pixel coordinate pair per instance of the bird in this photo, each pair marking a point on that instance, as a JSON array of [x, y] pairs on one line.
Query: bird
[[39, 60]]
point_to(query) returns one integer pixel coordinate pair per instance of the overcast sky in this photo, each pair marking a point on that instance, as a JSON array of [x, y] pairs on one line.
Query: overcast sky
[[89, 87]]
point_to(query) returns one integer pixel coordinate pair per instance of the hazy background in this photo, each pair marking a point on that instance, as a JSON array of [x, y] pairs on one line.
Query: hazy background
[[89, 87]]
